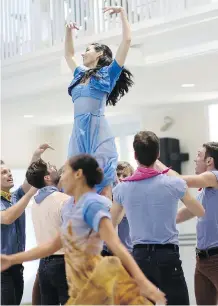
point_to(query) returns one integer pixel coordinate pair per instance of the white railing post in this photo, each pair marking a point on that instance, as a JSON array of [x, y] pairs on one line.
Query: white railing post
[[28, 25], [6, 28], [2, 30]]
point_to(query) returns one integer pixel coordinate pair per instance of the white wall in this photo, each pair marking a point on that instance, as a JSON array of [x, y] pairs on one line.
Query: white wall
[[19, 141], [213, 122]]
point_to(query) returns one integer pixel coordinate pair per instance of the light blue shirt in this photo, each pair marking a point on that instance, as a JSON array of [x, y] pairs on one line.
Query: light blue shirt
[[85, 216], [13, 236], [207, 226], [124, 235], [151, 207]]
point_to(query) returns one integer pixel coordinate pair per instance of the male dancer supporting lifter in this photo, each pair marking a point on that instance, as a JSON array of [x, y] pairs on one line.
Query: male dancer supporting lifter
[[150, 199], [46, 215]]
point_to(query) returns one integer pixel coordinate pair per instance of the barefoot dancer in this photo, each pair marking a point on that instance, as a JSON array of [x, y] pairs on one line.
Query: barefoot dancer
[[100, 81]]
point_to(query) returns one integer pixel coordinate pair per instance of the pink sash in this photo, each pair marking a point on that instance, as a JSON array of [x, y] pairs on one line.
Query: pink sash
[[142, 173]]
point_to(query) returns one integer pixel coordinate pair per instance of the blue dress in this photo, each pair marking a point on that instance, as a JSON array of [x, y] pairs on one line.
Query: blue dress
[[91, 132]]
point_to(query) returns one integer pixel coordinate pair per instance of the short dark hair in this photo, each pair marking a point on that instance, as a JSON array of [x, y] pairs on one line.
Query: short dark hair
[[90, 167], [36, 172], [146, 145], [124, 168], [212, 151]]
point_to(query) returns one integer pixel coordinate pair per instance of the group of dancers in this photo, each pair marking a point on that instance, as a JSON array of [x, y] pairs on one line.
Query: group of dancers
[[77, 209]]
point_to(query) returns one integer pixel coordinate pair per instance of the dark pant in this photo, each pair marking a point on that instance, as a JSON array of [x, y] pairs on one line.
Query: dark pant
[[206, 280], [12, 285], [36, 295], [162, 266], [52, 280]]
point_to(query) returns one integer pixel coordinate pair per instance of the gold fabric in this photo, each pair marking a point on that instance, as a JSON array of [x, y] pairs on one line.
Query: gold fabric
[[6, 195], [97, 280]]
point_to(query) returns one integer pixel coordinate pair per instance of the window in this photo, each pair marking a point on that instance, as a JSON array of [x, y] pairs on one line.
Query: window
[[213, 122], [125, 150], [117, 142], [131, 157]]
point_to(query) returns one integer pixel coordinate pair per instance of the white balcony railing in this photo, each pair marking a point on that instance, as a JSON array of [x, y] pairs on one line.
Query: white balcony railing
[[30, 25]]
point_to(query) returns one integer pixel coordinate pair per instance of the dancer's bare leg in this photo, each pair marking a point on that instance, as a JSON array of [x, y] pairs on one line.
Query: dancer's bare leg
[[107, 192]]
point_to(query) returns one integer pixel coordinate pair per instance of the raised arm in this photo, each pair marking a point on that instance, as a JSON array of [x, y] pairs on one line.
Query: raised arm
[[194, 206], [11, 214], [69, 47], [126, 36], [206, 179], [42, 251], [36, 156], [161, 167]]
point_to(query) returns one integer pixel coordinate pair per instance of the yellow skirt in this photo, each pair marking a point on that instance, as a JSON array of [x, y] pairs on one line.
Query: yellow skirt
[[97, 280]]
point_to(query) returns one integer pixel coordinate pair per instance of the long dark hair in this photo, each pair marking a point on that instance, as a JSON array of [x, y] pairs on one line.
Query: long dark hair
[[124, 82]]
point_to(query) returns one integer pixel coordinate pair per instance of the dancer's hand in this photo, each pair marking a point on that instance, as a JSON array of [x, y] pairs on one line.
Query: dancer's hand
[[152, 293], [113, 9], [72, 26], [40, 150], [5, 262]]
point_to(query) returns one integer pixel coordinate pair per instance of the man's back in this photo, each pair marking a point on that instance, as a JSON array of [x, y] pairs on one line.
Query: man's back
[[151, 208], [46, 215]]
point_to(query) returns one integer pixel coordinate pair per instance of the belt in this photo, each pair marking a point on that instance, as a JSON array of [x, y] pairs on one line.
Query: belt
[[153, 247], [203, 254], [53, 257], [89, 114]]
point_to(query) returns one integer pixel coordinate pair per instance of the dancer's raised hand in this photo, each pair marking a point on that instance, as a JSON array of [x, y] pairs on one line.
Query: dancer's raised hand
[[72, 26], [113, 9]]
